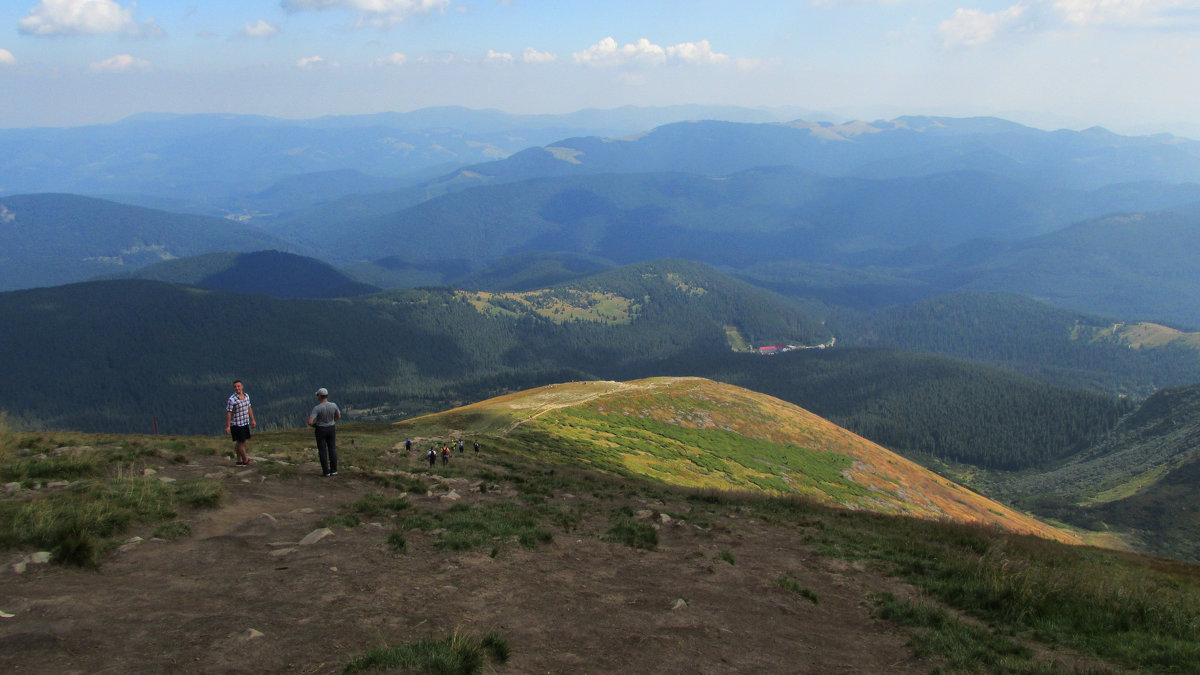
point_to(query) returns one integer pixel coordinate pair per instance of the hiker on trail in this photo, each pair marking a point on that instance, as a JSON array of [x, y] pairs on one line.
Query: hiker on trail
[[445, 455], [407, 445], [477, 447], [432, 457], [239, 417], [323, 419], [460, 446]]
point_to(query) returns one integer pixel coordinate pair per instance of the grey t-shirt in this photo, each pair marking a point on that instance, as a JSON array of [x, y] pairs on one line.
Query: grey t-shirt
[[325, 414]]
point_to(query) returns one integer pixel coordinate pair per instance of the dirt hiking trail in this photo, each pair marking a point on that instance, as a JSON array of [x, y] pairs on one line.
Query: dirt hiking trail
[[241, 594]]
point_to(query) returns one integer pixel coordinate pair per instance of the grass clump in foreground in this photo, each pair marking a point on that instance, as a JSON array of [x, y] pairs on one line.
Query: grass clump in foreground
[[466, 527], [789, 583], [963, 646], [455, 655], [77, 524], [624, 528]]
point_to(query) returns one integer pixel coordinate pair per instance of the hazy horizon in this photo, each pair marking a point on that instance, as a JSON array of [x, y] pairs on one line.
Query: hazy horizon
[[1120, 64]]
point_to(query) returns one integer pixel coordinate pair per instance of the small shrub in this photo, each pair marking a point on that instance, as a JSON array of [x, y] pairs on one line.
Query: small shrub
[[726, 556]]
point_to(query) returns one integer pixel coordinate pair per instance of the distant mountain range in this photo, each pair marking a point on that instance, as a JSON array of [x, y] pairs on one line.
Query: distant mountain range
[[856, 214], [210, 163]]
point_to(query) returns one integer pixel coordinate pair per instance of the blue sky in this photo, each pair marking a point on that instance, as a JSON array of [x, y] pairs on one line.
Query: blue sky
[[1128, 65]]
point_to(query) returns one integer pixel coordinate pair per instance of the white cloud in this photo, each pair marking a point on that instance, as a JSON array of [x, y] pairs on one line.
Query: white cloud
[[696, 52], [310, 62], [84, 17], [607, 53], [500, 58], [119, 64], [532, 55], [393, 59], [7, 58], [1131, 13], [376, 13], [260, 29], [971, 27]]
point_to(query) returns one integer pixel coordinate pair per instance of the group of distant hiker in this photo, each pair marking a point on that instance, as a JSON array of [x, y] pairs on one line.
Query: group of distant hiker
[[239, 417], [433, 454]]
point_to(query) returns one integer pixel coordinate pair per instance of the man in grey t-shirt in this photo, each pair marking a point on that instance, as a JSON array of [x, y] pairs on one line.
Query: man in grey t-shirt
[[323, 419]]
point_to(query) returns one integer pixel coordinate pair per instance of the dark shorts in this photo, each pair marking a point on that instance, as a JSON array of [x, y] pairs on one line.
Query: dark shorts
[[240, 434]]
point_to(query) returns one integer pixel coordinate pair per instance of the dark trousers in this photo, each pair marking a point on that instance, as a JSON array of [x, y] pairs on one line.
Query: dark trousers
[[327, 448]]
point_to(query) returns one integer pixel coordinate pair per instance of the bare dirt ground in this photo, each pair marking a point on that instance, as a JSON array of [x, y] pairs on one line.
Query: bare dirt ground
[[240, 594]]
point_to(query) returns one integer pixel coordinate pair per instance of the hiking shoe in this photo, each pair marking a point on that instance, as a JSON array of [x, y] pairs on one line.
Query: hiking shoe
[[332, 473]]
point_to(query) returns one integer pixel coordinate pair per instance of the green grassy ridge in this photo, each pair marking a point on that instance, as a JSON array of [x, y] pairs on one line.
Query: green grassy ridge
[[719, 457]]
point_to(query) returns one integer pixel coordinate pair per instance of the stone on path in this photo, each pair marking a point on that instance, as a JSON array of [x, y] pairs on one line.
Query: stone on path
[[315, 536]]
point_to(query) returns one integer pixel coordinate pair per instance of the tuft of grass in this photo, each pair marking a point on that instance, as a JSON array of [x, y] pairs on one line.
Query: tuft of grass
[[466, 527], [77, 523], [566, 517], [623, 528], [173, 530], [346, 521], [789, 583], [199, 493], [45, 468], [374, 504], [397, 542], [725, 555], [76, 546], [455, 655]]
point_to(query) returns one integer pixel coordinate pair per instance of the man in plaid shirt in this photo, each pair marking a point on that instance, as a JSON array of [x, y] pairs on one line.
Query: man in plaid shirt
[[239, 417]]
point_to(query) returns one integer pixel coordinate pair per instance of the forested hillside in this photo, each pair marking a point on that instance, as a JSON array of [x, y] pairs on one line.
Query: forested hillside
[[1138, 265], [165, 353], [49, 239], [155, 349], [1138, 480], [928, 406], [1030, 337]]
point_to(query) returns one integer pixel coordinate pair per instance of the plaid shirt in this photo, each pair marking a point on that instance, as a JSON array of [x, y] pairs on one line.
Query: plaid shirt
[[240, 409]]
